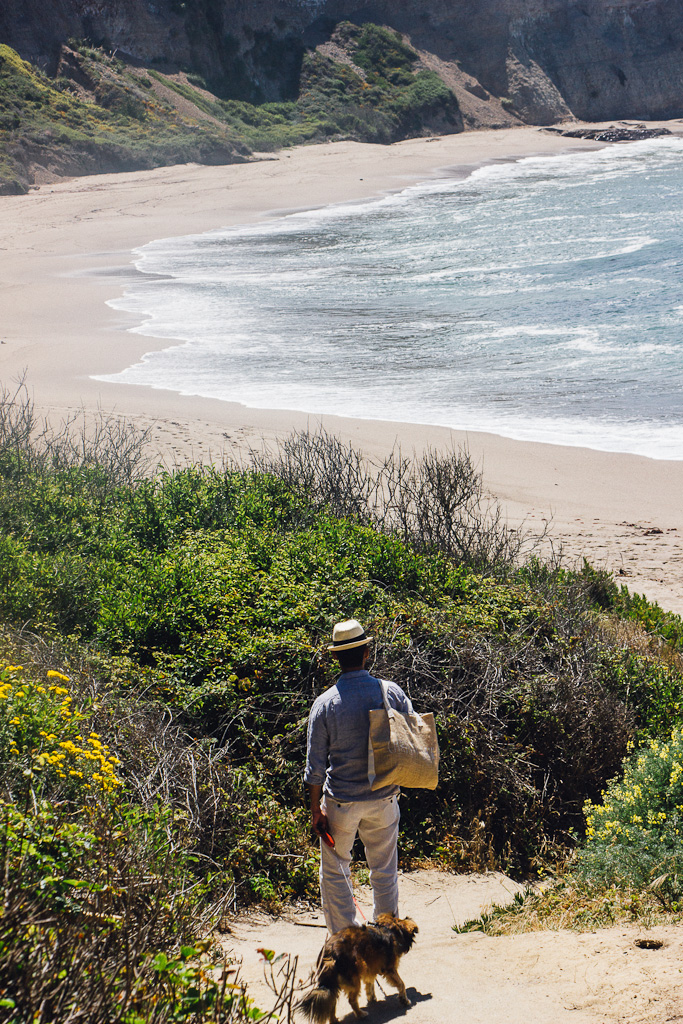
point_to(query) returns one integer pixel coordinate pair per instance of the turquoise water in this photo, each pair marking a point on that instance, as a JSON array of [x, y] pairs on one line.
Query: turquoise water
[[539, 300]]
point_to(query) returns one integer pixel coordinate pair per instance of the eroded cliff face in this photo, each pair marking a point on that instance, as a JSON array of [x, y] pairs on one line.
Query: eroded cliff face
[[545, 59], [609, 60]]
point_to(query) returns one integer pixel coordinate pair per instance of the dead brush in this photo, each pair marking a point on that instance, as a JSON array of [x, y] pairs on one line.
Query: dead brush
[[498, 695], [112, 445], [434, 502], [633, 636]]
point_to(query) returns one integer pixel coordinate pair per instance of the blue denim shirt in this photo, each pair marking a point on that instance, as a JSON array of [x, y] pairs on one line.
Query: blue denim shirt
[[338, 731]]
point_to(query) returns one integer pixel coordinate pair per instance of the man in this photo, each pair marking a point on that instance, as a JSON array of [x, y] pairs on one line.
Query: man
[[336, 776]]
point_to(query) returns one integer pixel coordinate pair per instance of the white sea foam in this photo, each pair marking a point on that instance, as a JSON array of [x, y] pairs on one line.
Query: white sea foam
[[539, 300]]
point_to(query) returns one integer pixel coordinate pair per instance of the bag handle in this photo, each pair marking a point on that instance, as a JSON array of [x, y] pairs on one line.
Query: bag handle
[[387, 706]]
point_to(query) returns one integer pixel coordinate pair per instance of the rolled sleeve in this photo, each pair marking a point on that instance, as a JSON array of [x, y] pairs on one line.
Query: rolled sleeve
[[317, 746]]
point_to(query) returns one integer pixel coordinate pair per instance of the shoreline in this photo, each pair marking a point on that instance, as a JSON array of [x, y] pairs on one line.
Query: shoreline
[[67, 248], [130, 209]]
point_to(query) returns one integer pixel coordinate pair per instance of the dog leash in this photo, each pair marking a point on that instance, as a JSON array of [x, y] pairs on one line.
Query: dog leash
[[358, 907], [348, 884]]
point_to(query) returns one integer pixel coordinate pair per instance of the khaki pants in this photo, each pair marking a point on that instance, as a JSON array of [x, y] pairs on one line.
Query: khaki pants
[[376, 822]]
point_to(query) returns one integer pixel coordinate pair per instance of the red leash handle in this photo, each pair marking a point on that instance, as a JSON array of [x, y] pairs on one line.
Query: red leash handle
[[325, 836]]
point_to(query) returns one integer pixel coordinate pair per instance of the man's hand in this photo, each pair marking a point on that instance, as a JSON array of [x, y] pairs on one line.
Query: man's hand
[[322, 827], [319, 822]]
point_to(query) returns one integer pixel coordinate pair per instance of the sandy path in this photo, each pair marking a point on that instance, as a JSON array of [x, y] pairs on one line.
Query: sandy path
[[548, 977]]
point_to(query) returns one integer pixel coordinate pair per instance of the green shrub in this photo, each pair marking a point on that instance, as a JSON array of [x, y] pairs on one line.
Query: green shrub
[[103, 913], [382, 53], [267, 847], [652, 687], [633, 838], [389, 102], [607, 594], [42, 744]]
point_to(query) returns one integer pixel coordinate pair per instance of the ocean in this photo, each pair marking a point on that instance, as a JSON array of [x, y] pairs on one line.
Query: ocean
[[540, 300]]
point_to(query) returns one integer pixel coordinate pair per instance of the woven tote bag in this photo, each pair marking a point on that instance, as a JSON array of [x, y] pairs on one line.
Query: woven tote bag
[[402, 748]]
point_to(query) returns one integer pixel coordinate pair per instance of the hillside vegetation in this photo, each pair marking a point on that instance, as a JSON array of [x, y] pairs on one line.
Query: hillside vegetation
[[116, 124], [164, 637], [100, 113]]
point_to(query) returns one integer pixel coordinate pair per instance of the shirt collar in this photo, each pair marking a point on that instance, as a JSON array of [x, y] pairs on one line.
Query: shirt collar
[[356, 673]]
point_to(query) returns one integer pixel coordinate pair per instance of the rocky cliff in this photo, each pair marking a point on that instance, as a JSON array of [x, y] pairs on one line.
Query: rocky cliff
[[545, 59]]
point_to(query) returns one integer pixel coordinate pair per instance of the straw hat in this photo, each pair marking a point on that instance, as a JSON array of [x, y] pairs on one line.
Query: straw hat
[[348, 634]]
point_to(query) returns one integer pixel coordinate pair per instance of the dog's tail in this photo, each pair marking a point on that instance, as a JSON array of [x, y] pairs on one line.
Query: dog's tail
[[319, 1004]]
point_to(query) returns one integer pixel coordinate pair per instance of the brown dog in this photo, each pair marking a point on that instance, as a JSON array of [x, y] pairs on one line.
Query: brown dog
[[357, 955]]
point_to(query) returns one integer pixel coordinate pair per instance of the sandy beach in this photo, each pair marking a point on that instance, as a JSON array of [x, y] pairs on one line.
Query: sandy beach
[[66, 248]]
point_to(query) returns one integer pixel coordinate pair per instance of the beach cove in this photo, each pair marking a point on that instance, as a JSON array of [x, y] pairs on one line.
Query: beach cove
[[67, 249]]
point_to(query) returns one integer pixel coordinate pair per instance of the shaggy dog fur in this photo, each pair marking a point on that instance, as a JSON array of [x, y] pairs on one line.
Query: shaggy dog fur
[[355, 956]]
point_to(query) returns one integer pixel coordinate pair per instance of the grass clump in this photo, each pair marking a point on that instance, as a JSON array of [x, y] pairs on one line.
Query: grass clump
[[569, 903]]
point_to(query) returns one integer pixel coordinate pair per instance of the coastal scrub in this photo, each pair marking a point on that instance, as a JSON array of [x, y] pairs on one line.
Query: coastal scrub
[[634, 836], [152, 724], [43, 742], [218, 588]]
